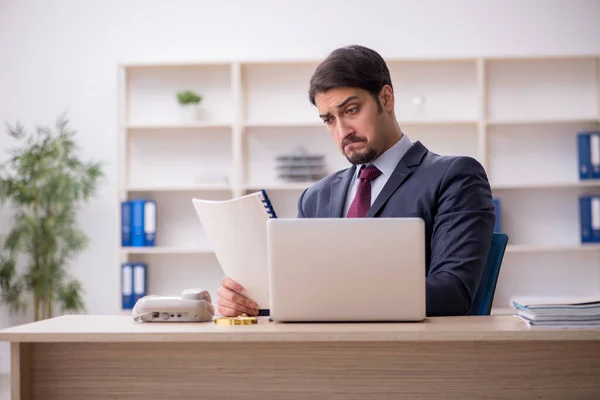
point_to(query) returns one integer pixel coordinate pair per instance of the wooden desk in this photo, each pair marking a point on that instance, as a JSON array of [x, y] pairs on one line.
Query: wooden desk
[[102, 357]]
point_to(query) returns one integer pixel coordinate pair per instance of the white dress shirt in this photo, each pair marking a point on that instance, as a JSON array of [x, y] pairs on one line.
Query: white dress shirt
[[386, 163]]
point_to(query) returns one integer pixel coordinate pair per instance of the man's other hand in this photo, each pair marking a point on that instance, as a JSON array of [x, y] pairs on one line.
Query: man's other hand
[[230, 303]]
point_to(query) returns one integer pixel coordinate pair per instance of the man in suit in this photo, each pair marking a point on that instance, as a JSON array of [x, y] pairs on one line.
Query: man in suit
[[391, 176]]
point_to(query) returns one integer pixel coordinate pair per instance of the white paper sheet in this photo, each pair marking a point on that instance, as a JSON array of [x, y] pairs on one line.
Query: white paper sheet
[[236, 230]]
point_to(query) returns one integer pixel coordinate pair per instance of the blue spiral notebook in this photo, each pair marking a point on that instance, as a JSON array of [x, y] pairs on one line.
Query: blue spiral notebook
[[236, 230]]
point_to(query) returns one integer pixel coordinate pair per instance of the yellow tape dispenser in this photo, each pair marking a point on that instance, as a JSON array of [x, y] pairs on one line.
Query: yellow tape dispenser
[[241, 320]]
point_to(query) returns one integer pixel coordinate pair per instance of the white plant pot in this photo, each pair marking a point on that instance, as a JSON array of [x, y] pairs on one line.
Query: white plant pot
[[188, 113]]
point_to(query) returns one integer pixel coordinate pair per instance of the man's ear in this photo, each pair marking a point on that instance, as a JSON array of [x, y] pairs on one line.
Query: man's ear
[[386, 98]]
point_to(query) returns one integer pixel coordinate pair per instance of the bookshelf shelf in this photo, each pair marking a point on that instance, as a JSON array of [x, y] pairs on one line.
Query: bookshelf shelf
[[519, 116], [547, 185], [520, 154], [437, 123], [208, 187], [319, 124], [434, 90], [548, 121], [521, 89], [165, 250], [179, 126], [278, 186], [284, 124], [505, 186], [523, 248]]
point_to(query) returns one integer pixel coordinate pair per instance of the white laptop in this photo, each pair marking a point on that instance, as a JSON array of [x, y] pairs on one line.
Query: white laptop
[[346, 269]]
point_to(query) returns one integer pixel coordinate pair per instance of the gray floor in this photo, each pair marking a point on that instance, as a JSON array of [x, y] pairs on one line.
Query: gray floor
[[4, 387]]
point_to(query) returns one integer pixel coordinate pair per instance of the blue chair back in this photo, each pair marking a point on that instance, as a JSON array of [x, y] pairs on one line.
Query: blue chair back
[[484, 297]]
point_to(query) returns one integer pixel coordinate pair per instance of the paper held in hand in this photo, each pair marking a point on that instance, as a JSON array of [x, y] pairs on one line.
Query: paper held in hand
[[237, 232]]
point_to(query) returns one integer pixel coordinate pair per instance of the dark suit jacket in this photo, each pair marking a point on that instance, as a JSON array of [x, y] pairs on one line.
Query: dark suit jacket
[[452, 195]]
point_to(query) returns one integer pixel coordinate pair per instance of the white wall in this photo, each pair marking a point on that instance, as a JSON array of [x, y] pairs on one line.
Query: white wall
[[61, 56]]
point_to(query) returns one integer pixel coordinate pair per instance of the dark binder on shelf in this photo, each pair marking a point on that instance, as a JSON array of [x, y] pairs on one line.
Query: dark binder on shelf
[[125, 223], [589, 211], [498, 209], [127, 301], [583, 152], [143, 217], [588, 151]]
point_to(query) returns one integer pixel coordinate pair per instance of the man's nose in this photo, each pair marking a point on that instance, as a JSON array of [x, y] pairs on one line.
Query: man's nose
[[344, 130]]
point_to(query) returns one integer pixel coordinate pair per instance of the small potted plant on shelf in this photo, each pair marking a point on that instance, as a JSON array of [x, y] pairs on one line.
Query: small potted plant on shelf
[[189, 101]]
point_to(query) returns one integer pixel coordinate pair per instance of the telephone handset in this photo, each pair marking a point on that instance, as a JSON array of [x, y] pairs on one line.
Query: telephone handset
[[194, 305]]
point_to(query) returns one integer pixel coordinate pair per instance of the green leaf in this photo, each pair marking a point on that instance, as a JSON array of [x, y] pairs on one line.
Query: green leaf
[[69, 297], [45, 181], [11, 285], [188, 97]]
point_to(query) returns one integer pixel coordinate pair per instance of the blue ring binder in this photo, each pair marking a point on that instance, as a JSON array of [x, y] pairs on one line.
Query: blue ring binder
[[267, 203]]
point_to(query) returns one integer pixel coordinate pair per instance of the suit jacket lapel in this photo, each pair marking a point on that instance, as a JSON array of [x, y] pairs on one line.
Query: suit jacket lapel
[[339, 188], [403, 170]]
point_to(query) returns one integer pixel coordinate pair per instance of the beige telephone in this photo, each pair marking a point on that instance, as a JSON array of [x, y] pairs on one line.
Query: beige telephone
[[194, 305]]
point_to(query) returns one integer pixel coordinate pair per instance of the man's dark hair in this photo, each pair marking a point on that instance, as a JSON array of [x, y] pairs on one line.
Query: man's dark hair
[[355, 66]]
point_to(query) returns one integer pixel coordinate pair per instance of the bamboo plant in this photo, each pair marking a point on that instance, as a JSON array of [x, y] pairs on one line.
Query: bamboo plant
[[43, 183]]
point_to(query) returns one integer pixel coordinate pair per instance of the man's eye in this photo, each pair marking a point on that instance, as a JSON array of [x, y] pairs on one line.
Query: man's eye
[[352, 110], [327, 121]]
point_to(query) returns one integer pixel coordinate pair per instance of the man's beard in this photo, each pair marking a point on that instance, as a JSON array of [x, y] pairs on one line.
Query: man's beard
[[363, 158]]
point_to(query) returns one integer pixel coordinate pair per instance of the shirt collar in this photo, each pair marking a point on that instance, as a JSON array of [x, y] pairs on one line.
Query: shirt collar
[[388, 161]]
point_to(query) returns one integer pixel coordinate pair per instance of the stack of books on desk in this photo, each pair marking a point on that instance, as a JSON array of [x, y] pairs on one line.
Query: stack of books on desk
[[566, 313]]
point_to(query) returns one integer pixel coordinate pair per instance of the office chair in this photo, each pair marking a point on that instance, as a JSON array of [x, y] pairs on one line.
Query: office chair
[[484, 297]]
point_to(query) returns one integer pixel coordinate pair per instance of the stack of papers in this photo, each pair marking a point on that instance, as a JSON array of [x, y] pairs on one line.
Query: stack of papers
[[565, 313]]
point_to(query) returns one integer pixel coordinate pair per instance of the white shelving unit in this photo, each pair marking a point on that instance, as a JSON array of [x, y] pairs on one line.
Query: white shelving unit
[[518, 116]]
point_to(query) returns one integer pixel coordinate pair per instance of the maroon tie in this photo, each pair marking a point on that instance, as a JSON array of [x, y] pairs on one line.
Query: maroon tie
[[362, 200]]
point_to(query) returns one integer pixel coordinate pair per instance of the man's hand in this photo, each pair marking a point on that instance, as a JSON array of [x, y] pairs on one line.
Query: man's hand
[[231, 303]]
